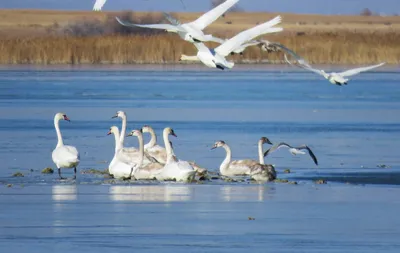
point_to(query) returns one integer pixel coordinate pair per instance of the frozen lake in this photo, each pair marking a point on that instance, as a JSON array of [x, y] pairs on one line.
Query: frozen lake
[[351, 129]]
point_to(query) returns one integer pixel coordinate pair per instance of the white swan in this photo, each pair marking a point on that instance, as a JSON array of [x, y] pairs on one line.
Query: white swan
[[121, 166], [64, 156], [333, 77], [147, 171], [130, 151], [215, 58], [193, 31], [261, 142], [256, 170], [100, 3], [174, 169], [159, 153], [152, 148], [293, 150], [199, 170]]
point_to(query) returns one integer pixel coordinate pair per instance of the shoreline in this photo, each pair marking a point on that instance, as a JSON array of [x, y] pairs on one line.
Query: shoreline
[[184, 67], [46, 37]]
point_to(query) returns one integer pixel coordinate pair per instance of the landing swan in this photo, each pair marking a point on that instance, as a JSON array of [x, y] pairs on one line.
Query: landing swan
[[215, 58], [147, 171], [193, 31], [256, 170], [121, 165], [333, 77], [64, 156], [293, 150], [174, 169]]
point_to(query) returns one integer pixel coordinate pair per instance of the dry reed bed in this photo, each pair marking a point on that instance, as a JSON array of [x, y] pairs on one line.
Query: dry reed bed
[[317, 47]]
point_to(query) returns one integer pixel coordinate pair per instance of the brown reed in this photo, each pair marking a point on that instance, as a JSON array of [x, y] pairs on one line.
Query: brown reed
[[344, 47]]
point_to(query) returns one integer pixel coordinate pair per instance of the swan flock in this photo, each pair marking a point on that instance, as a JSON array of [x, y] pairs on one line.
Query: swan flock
[[152, 161], [216, 57]]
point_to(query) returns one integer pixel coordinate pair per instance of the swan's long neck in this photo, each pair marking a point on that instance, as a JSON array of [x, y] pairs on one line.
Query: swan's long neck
[[141, 151], [260, 152], [168, 147], [59, 136], [123, 129], [227, 160], [153, 139], [118, 144]]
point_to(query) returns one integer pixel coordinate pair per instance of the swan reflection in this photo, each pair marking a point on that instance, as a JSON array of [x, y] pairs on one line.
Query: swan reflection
[[164, 193], [64, 192], [244, 193]]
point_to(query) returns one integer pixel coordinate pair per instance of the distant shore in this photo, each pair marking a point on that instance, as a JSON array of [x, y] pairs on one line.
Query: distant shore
[[42, 41]]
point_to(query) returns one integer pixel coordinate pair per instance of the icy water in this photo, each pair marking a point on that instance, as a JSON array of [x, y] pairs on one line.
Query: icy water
[[354, 131]]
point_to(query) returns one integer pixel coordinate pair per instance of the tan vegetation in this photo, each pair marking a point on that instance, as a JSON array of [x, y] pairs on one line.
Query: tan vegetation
[[40, 37]]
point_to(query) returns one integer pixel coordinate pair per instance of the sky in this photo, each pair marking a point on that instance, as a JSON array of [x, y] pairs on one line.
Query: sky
[[387, 7]]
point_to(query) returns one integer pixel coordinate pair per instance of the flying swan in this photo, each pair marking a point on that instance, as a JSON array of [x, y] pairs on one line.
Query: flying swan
[[193, 31], [333, 77], [215, 58]]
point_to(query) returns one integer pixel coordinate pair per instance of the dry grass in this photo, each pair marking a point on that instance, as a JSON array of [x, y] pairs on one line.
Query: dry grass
[[25, 38], [335, 48]]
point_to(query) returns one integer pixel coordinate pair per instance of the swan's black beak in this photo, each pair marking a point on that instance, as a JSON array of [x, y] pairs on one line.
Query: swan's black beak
[[214, 147], [115, 116], [269, 142], [66, 118], [109, 132], [173, 134]]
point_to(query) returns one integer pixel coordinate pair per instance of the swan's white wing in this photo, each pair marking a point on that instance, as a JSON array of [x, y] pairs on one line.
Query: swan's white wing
[[308, 67], [216, 39], [98, 5], [251, 43], [207, 18], [230, 45], [301, 63], [152, 26], [171, 19], [201, 47], [289, 51], [356, 71]]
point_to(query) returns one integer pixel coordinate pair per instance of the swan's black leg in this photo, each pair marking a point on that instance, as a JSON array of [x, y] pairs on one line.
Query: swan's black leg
[[74, 172], [59, 174]]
